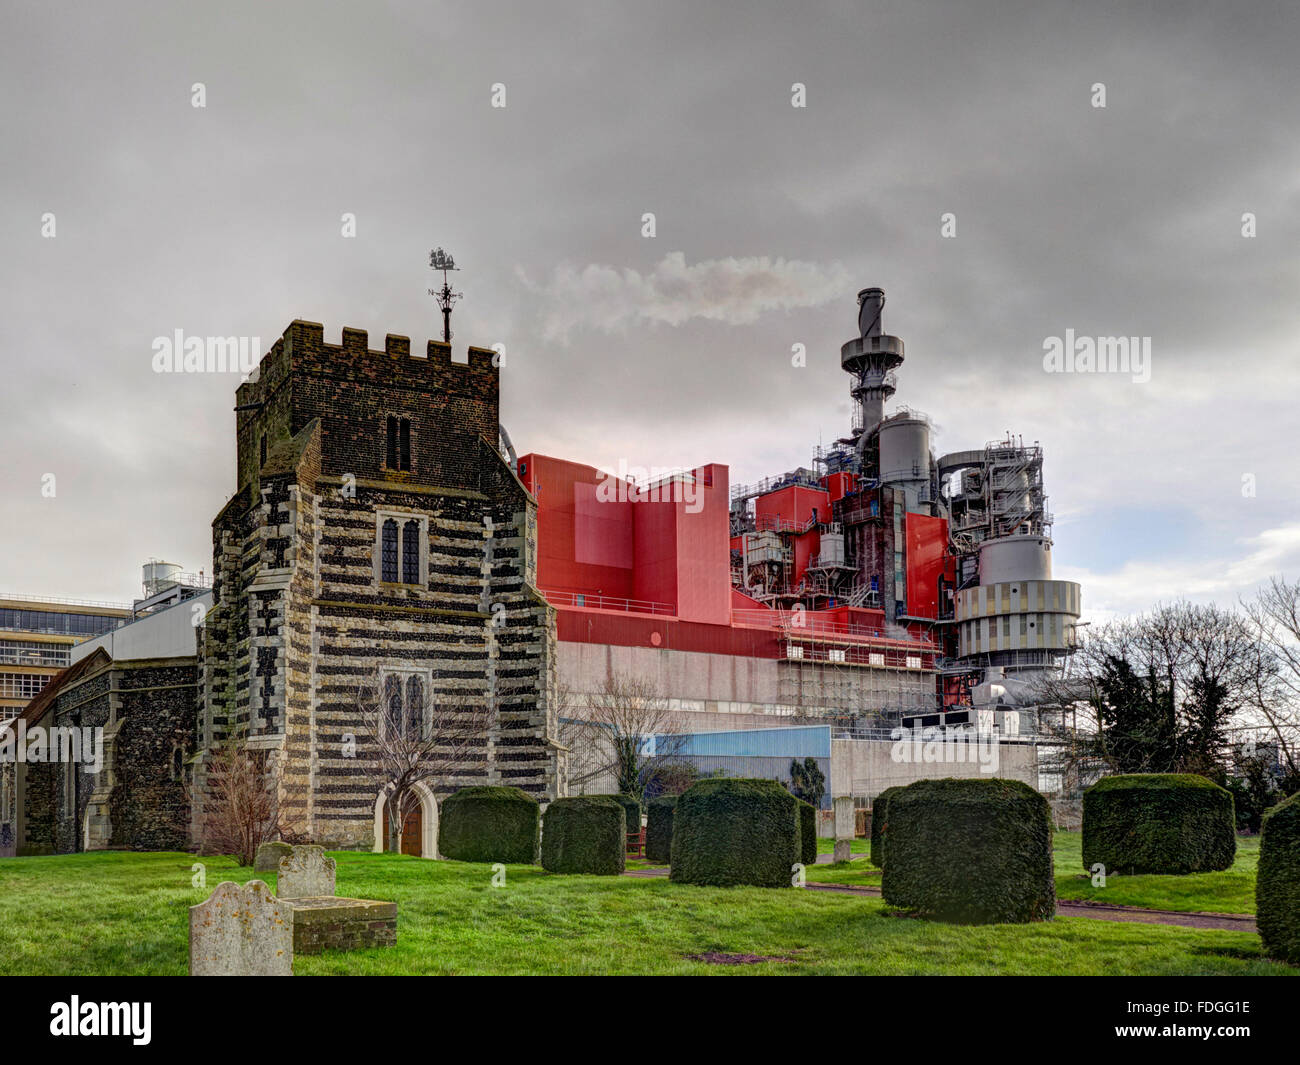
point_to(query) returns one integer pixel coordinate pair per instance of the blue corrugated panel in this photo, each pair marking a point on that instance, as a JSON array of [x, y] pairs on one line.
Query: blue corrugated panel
[[802, 741], [757, 767]]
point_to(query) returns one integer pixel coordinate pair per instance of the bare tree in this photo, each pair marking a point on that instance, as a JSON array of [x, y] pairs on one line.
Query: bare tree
[[241, 804], [415, 736], [1274, 614], [626, 730], [1159, 692]]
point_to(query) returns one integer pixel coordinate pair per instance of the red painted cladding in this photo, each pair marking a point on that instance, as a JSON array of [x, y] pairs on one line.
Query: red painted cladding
[[806, 548], [927, 549], [792, 506], [668, 545], [583, 545], [838, 485]]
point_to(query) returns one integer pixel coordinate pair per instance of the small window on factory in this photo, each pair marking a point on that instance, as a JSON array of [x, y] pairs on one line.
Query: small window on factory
[[262, 451], [398, 451]]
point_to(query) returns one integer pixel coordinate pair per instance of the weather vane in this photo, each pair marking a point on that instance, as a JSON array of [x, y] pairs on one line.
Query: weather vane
[[440, 260]]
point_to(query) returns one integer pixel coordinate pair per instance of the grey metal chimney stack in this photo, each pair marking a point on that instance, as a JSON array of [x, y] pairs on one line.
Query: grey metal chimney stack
[[871, 360], [871, 302]]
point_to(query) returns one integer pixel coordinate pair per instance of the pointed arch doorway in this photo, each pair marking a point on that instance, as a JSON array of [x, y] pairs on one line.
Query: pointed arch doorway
[[419, 834]]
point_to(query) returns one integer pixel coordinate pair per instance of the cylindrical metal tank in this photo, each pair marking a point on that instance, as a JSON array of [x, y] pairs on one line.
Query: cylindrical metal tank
[[1016, 558], [905, 450], [831, 550], [158, 575]]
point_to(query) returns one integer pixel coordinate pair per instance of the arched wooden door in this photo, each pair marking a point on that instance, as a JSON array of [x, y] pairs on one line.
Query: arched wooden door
[[412, 831]]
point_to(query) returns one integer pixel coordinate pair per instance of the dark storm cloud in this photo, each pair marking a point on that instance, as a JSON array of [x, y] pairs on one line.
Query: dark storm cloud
[[226, 220]]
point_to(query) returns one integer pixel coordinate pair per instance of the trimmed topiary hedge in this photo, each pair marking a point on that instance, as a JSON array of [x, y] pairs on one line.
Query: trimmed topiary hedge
[[1158, 823], [659, 829], [807, 832], [974, 851], [490, 824], [879, 818], [585, 834], [734, 831], [631, 808], [1277, 883]]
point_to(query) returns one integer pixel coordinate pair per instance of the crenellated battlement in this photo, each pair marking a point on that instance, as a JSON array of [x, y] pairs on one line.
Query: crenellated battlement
[[307, 345], [354, 389]]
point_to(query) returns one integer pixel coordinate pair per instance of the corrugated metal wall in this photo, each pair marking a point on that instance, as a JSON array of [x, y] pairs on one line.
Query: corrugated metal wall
[[769, 768], [799, 741]]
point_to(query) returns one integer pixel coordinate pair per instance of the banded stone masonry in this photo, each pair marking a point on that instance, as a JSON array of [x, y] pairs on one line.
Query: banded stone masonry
[[377, 539]]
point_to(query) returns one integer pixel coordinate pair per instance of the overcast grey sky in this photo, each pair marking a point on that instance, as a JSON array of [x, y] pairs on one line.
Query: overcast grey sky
[[227, 220]]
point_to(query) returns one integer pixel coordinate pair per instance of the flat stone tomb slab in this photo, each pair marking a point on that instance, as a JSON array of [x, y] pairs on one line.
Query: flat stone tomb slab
[[327, 922]]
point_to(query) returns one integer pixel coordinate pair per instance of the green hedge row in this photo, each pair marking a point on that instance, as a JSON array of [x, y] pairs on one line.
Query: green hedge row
[[735, 831], [973, 851], [659, 829], [585, 834], [807, 833], [879, 819], [1277, 882], [1158, 823], [631, 809], [490, 824]]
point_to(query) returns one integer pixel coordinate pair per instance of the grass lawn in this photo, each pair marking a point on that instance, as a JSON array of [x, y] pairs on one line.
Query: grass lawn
[[1231, 891], [123, 913], [827, 846]]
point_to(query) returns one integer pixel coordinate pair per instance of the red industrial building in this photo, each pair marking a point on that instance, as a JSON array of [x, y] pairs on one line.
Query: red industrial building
[[868, 587]]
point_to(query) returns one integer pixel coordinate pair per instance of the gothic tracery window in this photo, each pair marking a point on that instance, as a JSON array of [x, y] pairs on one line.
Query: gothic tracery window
[[415, 708], [388, 551], [411, 552]]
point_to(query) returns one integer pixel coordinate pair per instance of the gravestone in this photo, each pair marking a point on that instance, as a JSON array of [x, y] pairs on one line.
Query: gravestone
[[269, 855], [306, 874], [241, 931], [845, 827]]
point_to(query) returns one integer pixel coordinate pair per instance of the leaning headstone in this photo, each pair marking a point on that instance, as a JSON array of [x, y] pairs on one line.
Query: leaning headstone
[[306, 874], [845, 827], [241, 931], [269, 855]]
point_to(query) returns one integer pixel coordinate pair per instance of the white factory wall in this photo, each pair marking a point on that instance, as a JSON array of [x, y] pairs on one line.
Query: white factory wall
[[166, 633], [865, 768], [716, 691]]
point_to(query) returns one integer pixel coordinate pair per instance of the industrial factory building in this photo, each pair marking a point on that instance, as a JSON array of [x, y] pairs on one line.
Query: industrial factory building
[[879, 586], [383, 536]]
